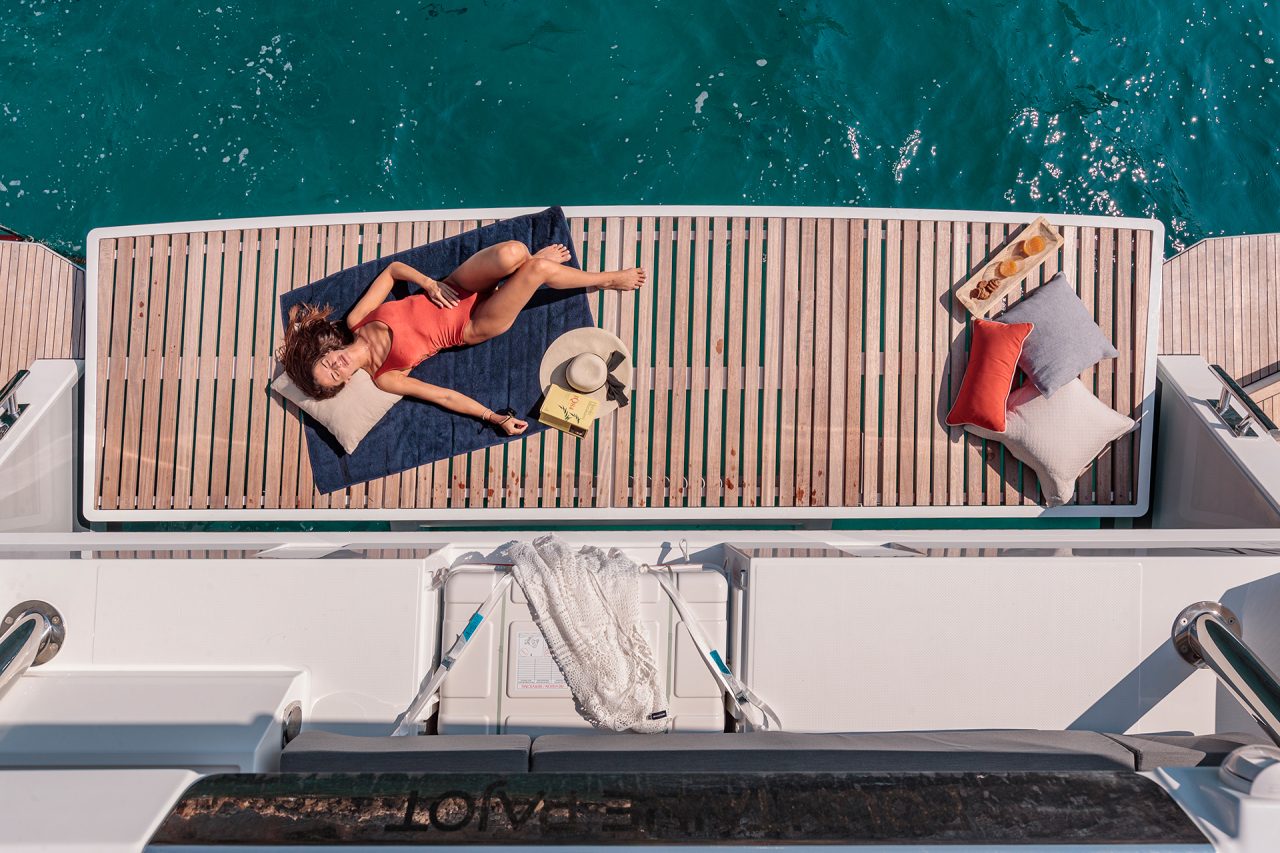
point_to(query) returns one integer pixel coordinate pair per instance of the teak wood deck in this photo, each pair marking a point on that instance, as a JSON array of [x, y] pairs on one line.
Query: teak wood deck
[[797, 363], [41, 306], [1222, 301]]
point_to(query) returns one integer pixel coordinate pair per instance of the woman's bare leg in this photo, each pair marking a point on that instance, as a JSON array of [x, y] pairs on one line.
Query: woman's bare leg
[[487, 267], [490, 265], [496, 314]]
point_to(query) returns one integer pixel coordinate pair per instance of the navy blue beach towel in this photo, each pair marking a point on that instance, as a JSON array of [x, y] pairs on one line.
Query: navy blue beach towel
[[498, 373]]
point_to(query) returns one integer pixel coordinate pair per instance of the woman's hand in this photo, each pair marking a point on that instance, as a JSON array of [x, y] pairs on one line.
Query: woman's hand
[[441, 294], [513, 426]]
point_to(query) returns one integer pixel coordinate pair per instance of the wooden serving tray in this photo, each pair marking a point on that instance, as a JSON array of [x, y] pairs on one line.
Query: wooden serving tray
[[1011, 251]]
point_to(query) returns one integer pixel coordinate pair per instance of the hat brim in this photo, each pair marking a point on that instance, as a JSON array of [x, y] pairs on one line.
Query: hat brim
[[575, 342]]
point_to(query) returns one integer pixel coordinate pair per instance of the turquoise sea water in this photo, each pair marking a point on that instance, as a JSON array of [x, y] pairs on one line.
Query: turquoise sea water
[[126, 111]]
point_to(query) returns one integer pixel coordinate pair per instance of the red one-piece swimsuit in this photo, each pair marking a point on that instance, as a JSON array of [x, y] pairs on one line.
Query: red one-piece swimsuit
[[419, 328]]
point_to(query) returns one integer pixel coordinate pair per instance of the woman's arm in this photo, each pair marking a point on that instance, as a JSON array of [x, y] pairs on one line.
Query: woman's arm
[[381, 287], [395, 382]]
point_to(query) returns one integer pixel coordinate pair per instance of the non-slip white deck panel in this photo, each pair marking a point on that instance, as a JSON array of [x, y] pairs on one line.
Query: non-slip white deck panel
[[364, 630], [116, 811], [885, 644], [211, 720]]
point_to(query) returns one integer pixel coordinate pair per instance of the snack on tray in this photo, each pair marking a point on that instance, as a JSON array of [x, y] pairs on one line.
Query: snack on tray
[[1007, 268], [1033, 246]]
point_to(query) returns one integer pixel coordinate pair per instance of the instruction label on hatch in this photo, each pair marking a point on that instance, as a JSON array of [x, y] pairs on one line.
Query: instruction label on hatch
[[536, 669]]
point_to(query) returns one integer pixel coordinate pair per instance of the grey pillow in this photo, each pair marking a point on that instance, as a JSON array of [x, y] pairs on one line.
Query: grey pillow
[[1066, 341]]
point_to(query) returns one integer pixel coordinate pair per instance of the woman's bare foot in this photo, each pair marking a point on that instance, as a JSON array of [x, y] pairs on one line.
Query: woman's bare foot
[[632, 279], [555, 252]]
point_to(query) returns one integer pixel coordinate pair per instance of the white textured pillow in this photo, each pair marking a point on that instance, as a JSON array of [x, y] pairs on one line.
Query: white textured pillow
[[349, 414], [1058, 436]]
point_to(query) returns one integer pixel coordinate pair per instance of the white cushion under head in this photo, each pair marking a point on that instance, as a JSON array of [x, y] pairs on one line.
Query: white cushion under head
[[1058, 436], [349, 414]]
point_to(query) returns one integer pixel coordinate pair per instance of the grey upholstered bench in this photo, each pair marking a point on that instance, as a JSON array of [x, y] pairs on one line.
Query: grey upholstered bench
[[956, 751], [985, 751]]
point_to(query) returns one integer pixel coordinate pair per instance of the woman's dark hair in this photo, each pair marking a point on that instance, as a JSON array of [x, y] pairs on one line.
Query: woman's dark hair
[[310, 335]]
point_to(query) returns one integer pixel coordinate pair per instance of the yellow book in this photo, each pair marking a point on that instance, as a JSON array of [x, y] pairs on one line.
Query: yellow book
[[568, 411]]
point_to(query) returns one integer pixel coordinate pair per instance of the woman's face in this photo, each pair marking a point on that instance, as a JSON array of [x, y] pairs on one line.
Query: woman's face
[[334, 368]]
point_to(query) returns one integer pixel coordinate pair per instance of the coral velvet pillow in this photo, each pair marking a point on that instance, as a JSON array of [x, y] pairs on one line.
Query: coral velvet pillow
[[993, 359]]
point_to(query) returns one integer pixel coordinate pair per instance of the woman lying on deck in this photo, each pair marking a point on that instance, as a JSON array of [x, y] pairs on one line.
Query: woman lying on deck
[[388, 339]]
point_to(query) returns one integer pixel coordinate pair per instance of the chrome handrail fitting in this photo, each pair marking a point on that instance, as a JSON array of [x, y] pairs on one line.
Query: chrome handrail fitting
[[1207, 635], [9, 408], [33, 632], [1239, 425]]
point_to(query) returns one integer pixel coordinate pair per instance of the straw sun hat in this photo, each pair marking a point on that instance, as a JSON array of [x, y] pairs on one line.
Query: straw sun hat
[[584, 360]]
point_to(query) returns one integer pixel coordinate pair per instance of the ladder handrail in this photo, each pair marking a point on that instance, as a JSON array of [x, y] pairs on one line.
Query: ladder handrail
[[19, 646], [1207, 635], [1231, 388]]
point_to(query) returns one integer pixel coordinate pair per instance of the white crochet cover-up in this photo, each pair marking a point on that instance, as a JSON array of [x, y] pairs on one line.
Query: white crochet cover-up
[[587, 605]]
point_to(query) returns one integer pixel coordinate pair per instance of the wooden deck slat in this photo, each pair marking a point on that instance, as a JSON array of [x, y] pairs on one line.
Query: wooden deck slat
[[790, 369], [234, 247], [660, 487], [715, 345], [939, 482], [147, 489], [804, 416], [296, 275], [628, 255], [871, 371], [116, 349], [585, 451], [737, 360], [642, 354], [909, 347], [999, 461], [311, 270], [242, 371], [29, 285], [609, 444], [891, 462], [170, 347], [815, 388], [1086, 289], [681, 287], [697, 359], [106, 266], [1122, 449], [959, 443], [1141, 306], [976, 468], [55, 320], [927, 319], [10, 303], [280, 268], [753, 357], [1106, 368], [854, 287], [838, 426]]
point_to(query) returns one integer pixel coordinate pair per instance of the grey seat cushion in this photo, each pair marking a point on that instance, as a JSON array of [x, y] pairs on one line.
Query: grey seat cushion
[[325, 752], [862, 752], [1152, 751], [1066, 340]]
